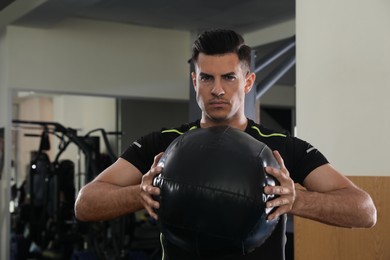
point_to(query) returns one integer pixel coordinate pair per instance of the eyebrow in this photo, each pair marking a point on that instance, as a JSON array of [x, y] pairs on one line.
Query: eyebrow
[[204, 74], [228, 74], [223, 75]]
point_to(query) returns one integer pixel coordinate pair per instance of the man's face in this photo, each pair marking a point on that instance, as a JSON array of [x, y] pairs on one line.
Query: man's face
[[221, 84]]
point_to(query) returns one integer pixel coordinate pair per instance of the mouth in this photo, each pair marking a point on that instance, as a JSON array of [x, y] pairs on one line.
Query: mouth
[[218, 102], [218, 105]]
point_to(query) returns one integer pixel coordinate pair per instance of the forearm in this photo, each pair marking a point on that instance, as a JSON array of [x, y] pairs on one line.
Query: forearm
[[344, 207], [99, 201]]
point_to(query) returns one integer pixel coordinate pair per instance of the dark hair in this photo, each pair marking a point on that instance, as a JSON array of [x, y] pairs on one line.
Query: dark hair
[[221, 41]]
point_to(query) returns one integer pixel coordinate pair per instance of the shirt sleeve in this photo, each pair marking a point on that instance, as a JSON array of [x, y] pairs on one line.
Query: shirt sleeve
[[141, 152], [305, 159]]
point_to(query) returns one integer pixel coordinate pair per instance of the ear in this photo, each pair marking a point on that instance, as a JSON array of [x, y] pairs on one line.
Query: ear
[[250, 80], [193, 76]]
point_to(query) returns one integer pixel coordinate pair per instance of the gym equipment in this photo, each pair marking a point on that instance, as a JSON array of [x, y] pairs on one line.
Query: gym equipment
[[47, 220], [212, 201]]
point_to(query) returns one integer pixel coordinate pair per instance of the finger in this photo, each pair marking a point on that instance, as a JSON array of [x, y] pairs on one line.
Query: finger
[[280, 161], [150, 205], [151, 213], [272, 170], [278, 157], [278, 190], [147, 179], [278, 211], [269, 189], [274, 215], [281, 201], [157, 159], [154, 171], [148, 201], [279, 174], [151, 190]]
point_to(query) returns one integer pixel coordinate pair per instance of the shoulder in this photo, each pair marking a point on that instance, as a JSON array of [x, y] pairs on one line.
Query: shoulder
[[167, 135], [142, 151], [161, 139], [299, 156], [181, 129], [265, 134], [279, 139]]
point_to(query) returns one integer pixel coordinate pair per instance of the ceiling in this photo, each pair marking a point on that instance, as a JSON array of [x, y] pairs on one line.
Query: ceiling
[[193, 15], [190, 15]]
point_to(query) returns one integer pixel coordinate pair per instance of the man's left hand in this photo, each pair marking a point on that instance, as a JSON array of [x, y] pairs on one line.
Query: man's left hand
[[285, 191]]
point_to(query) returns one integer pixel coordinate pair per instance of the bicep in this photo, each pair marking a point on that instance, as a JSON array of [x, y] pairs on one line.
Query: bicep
[[121, 173], [325, 178]]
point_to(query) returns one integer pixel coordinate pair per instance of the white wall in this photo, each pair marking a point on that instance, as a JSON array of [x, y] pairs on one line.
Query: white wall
[[343, 82], [84, 56], [270, 34]]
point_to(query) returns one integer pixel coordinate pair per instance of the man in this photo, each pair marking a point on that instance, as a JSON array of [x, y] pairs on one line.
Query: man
[[221, 79]]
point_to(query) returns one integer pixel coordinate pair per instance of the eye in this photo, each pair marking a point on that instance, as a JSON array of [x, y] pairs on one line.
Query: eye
[[229, 77], [205, 77]]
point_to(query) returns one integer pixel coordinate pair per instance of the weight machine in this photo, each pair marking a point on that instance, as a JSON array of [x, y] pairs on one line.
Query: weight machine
[[44, 217]]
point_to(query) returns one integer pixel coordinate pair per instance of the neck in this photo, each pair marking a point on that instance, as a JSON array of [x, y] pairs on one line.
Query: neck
[[239, 123]]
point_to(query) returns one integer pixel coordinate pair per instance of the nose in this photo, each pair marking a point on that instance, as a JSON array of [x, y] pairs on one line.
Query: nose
[[217, 89]]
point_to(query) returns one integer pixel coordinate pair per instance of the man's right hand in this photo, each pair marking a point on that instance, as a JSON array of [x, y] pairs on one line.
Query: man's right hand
[[148, 190]]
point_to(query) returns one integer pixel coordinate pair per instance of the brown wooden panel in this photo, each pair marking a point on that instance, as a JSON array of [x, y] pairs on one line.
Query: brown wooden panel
[[313, 240]]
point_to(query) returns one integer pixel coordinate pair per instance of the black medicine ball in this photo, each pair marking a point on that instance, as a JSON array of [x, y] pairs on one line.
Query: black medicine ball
[[212, 201]]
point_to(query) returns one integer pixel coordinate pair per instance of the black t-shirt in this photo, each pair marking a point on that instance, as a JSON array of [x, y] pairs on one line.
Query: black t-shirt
[[300, 158]]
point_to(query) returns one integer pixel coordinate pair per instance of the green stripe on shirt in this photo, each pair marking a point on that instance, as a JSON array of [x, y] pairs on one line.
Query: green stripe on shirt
[[177, 131], [269, 135]]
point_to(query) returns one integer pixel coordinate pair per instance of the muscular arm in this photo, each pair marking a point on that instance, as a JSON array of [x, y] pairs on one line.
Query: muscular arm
[[113, 193], [333, 199], [329, 197]]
